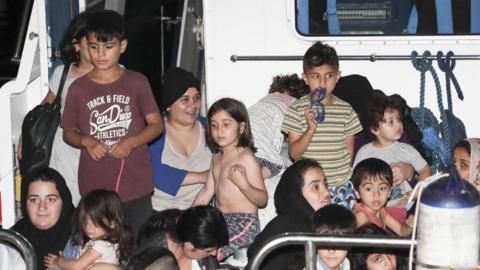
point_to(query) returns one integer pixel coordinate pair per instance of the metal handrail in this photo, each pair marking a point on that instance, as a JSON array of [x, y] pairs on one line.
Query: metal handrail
[[371, 57], [310, 241], [22, 245]]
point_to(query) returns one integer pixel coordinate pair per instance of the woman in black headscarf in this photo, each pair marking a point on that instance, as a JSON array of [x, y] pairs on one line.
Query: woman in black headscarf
[[46, 208], [301, 191]]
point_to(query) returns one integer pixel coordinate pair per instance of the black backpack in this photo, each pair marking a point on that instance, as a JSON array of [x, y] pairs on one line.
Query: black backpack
[[38, 131]]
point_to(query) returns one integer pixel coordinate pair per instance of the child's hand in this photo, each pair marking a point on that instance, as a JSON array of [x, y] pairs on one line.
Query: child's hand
[[51, 260], [401, 172], [122, 148], [310, 117], [410, 220], [238, 176], [95, 149]]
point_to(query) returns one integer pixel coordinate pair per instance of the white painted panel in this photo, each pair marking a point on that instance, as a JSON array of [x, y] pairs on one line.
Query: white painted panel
[[266, 27]]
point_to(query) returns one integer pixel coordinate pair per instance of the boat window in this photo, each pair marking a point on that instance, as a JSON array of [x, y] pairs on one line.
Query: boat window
[[387, 17]]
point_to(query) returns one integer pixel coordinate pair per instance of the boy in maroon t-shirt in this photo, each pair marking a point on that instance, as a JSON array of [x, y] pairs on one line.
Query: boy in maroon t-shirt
[[111, 115]]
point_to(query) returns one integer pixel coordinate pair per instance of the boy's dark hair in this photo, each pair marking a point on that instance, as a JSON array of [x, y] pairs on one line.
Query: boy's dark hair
[[153, 258], [373, 168], [320, 54], [75, 31], [465, 145], [203, 226], [376, 109], [291, 84], [358, 255], [334, 219], [104, 209], [106, 24], [237, 111]]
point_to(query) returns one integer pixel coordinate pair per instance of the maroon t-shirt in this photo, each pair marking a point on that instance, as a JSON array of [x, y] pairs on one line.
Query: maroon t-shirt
[[110, 112]]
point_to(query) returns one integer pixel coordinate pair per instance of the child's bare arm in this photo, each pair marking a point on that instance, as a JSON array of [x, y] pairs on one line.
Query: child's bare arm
[[95, 149], [85, 260], [266, 173], [249, 180], [153, 129], [424, 173], [400, 229], [206, 193], [298, 143], [350, 142], [361, 218]]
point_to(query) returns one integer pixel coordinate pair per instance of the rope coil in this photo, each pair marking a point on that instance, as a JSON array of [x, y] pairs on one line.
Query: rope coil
[[447, 64], [424, 64]]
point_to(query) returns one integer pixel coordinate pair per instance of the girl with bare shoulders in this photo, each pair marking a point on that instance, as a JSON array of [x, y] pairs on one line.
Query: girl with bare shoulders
[[235, 176]]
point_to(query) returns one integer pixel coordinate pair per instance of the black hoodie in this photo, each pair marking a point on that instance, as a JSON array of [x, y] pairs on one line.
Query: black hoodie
[[294, 215]]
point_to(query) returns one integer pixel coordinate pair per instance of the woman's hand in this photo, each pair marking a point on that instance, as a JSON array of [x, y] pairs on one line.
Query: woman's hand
[[195, 178]]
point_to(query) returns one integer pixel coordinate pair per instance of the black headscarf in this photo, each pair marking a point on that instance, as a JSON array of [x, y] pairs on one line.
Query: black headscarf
[[175, 83], [54, 239], [293, 215], [290, 202]]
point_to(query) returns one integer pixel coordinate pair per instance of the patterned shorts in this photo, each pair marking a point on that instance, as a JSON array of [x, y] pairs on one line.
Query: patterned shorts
[[343, 194], [242, 229]]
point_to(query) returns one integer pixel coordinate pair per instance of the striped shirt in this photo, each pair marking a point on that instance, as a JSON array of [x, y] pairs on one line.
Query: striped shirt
[[328, 145]]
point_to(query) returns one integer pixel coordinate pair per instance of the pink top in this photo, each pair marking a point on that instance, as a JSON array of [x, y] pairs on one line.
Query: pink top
[[359, 207]]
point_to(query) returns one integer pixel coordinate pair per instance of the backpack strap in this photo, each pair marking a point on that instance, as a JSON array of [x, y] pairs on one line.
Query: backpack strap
[[444, 16], [58, 97], [447, 65], [332, 18], [475, 16]]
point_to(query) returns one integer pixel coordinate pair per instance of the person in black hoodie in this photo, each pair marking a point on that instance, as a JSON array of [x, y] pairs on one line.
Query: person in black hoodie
[[301, 191]]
